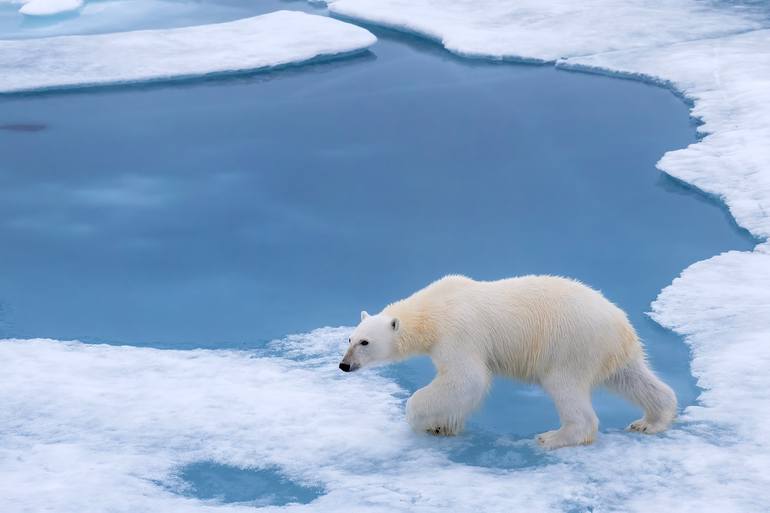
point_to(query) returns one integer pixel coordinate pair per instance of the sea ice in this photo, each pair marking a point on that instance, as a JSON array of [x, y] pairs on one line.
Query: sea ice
[[540, 30], [45, 7], [49, 7], [270, 40], [108, 428]]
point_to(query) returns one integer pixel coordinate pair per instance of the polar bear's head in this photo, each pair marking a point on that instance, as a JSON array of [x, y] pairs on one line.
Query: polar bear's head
[[373, 341]]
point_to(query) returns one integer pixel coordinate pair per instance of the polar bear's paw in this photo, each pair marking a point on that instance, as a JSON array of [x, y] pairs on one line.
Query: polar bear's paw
[[647, 427], [440, 431], [427, 414], [437, 425], [562, 438], [552, 439]]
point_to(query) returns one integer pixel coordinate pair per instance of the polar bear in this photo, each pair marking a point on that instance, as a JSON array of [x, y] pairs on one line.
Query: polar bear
[[552, 331]]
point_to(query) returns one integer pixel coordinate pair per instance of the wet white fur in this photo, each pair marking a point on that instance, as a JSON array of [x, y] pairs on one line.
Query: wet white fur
[[555, 332]]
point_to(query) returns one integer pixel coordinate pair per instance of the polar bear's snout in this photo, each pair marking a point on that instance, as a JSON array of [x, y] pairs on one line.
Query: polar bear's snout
[[349, 362]]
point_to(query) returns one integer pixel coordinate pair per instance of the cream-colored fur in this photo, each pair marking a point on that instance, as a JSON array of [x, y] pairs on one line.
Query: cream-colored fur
[[555, 332]]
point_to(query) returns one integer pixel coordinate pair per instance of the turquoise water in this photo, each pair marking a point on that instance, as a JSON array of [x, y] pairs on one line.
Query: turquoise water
[[258, 487], [228, 212]]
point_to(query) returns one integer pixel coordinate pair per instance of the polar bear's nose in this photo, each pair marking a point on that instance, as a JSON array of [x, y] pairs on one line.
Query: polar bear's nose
[[345, 367]]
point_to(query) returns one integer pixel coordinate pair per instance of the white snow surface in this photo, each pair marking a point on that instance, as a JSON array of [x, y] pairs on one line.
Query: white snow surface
[[106, 428], [275, 39], [543, 30], [49, 7]]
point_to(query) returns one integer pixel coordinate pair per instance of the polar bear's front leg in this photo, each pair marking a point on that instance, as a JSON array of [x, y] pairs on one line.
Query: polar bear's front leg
[[442, 407], [579, 423]]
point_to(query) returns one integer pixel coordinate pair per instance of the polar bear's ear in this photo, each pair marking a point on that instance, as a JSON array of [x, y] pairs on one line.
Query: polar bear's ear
[[364, 314], [395, 324]]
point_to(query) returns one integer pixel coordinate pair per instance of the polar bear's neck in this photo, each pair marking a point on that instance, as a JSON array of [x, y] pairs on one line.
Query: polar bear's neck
[[417, 332]]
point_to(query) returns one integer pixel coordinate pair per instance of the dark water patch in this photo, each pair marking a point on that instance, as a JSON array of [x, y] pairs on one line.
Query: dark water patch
[[228, 484], [23, 127]]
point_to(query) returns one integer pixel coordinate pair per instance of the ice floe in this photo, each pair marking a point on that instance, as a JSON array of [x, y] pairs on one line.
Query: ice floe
[[721, 306], [271, 40], [109, 428], [547, 30], [45, 7], [49, 7]]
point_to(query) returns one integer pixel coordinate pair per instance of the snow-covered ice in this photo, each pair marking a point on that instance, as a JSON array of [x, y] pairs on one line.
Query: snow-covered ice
[[100, 428], [49, 7], [270, 40], [541, 30], [721, 307], [45, 7]]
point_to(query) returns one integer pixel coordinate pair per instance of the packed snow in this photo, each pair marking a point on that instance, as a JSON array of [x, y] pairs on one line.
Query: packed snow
[[267, 41], [540, 30], [721, 307], [50, 7], [45, 7], [100, 427]]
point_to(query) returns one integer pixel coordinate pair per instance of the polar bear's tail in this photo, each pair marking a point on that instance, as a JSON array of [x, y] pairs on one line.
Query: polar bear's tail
[[637, 383]]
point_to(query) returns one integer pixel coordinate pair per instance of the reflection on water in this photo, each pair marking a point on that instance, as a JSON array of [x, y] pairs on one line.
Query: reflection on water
[[225, 213]]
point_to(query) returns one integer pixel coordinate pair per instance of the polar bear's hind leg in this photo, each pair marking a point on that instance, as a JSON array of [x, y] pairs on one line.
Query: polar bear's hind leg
[[637, 383]]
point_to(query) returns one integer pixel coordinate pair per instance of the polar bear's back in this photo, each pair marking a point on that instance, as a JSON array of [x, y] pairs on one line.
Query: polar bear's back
[[527, 326]]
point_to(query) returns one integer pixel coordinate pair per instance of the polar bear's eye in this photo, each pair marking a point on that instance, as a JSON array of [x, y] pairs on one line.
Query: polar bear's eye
[[364, 342]]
